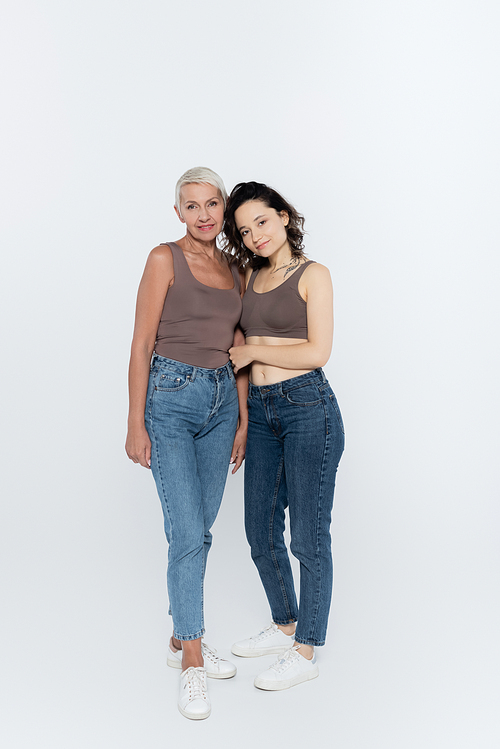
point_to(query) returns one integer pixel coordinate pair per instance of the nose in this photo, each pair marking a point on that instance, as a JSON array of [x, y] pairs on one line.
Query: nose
[[256, 235]]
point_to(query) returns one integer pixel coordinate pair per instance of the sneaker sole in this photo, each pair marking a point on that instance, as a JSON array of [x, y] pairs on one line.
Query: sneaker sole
[[191, 716], [173, 663], [255, 653], [274, 686]]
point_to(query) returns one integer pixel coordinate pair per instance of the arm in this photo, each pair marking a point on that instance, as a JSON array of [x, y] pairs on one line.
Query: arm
[[240, 438], [314, 352], [157, 277]]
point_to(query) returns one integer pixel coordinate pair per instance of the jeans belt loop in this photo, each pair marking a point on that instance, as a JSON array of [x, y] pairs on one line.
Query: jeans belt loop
[[192, 374]]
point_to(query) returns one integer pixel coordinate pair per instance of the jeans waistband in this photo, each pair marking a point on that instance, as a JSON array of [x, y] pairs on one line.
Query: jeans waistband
[[190, 370], [278, 388]]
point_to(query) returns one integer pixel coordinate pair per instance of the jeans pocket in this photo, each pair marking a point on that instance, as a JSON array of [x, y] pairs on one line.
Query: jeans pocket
[[304, 395], [170, 382]]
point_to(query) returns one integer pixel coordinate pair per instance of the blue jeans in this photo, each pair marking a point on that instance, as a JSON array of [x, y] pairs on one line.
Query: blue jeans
[[295, 441], [191, 416]]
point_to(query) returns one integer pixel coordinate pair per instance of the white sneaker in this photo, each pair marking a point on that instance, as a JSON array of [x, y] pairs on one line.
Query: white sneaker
[[289, 670], [271, 640], [216, 668], [194, 702]]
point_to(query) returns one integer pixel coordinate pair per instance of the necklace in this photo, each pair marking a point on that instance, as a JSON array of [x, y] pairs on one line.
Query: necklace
[[291, 265]]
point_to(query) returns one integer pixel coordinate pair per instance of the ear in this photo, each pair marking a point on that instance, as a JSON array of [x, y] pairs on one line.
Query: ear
[[285, 218], [179, 214]]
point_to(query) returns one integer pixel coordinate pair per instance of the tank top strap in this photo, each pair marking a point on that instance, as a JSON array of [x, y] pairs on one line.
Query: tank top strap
[[236, 275], [181, 266], [252, 279], [295, 277], [298, 273]]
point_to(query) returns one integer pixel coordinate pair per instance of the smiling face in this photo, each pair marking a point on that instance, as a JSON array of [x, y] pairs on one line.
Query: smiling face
[[202, 210], [262, 228]]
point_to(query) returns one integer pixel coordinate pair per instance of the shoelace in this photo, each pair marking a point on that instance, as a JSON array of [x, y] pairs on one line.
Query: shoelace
[[271, 629], [195, 683], [286, 660], [209, 653]]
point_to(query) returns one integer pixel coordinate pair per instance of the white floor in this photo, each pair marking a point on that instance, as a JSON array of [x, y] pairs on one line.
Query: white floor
[[409, 662]]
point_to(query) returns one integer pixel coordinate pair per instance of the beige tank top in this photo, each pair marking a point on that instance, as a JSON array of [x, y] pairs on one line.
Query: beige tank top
[[197, 323]]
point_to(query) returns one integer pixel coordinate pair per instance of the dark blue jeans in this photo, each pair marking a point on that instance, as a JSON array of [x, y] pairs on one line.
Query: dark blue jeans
[[295, 441], [191, 415]]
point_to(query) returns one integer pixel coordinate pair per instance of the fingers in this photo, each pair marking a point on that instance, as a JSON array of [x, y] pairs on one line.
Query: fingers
[[145, 462], [143, 457], [239, 460], [238, 451]]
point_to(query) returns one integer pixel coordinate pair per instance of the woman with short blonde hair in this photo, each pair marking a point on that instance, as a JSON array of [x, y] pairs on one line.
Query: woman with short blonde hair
[[184, 421]]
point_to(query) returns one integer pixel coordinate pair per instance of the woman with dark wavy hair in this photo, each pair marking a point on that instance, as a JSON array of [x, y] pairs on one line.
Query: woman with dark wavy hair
[[295, 433]]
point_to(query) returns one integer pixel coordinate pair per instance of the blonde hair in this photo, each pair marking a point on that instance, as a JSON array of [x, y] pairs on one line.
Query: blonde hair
[[202, 175]]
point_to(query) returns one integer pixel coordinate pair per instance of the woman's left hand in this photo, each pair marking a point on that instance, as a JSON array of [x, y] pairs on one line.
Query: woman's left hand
[[240, 356]]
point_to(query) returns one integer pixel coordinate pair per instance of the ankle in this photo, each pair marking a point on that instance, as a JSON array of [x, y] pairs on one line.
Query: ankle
[[287, 629], [307, 651], [192, 660], [191, 654], [175, 644]]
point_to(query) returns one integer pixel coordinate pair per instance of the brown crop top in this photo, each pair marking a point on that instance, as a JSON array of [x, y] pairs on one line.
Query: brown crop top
[[280, 313], [198, 321]]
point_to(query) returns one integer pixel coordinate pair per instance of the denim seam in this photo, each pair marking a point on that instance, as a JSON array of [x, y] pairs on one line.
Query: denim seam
[[154, 443], [326, 416], [271, 545], [307, 405], [314, 617], [173, 390], [333, 401], [187, 638], [214, 407], [326, 451], [312, 642], [167, 512]]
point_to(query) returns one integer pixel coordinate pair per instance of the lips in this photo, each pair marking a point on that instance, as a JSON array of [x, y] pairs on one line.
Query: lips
[[206, 227], [263, 244]]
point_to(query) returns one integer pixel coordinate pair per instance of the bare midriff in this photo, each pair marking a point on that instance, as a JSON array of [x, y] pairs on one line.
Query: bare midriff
[[266, 374]]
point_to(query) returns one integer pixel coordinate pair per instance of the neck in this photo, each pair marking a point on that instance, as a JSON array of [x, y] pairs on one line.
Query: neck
[[199, 247], [280, 257]]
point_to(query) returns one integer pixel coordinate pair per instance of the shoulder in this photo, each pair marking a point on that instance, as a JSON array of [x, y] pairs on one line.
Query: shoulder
[[161, 257], [316, 273], [160, 264], [161, 253], [315, 281]]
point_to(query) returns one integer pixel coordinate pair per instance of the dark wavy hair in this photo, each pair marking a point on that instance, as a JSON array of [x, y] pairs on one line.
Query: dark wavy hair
[[233, 241]]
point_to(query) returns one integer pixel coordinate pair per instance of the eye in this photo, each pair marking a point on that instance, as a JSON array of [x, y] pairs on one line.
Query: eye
[[191, 206], [244, 232], [214, 202], [262, 222]]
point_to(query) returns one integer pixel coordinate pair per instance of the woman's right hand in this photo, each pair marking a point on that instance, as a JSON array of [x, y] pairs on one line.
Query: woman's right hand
[[138, 446], [157, 278]]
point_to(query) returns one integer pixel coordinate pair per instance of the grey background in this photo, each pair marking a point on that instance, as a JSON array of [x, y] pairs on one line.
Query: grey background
[[380, 121]]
